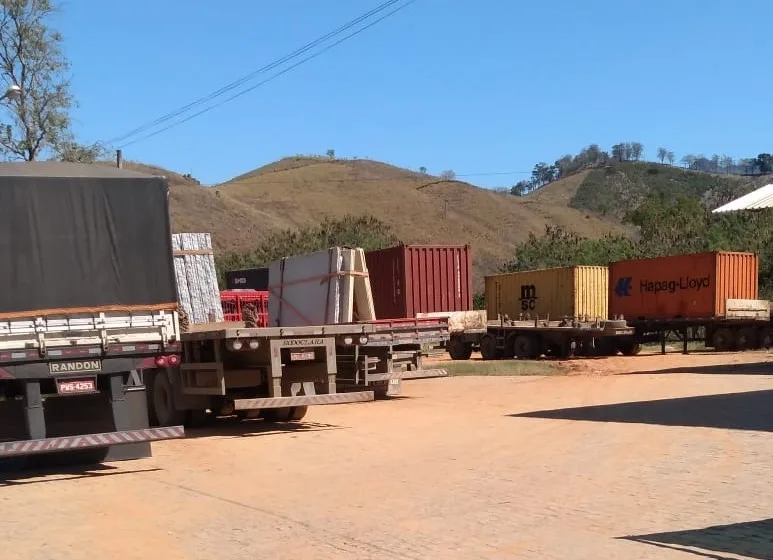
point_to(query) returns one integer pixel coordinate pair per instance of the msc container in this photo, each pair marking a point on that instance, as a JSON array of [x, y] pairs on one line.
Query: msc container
[[555, 293], [410, 279], [247, 279], [693, 286]]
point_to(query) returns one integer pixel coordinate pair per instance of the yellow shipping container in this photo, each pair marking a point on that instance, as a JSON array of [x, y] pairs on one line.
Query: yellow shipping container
[[555, 293]]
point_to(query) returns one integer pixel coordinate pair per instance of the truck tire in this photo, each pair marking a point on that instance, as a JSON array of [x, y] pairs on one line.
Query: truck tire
[[526, 347], [488, 348], [746, 338], [765, 338], [286, 414], [458, 349], [722, 340], [163, 402], [629, 347]]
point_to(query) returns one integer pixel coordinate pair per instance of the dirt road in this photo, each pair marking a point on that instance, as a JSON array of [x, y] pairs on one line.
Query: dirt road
[[466, 467]]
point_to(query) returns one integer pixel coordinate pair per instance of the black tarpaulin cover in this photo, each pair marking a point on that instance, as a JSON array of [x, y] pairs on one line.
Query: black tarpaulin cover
[[82, 237]]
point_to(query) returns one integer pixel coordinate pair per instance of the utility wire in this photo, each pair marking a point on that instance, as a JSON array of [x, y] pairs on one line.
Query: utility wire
[[266, 68]]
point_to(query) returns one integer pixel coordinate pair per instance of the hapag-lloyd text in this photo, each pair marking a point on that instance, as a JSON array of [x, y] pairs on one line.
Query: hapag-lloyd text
[[671, 286]]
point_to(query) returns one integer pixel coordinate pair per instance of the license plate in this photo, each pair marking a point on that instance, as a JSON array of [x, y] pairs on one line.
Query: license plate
[[74, 386], [77, 366], [300, 356]]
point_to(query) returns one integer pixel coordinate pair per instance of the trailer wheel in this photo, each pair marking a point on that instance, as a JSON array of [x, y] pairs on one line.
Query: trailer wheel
[[746, 338], [525, 346], [766, 338], [488, 348], [298, 412], [286, 414], [629, 347], [458, 349], [163, 402], [722, 339]]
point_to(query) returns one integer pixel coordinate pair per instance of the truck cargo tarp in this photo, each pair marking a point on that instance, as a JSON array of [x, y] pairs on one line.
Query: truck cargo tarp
[[83, 237]]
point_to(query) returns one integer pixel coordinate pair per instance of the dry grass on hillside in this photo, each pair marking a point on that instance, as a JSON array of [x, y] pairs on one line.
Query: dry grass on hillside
[[298, 192]]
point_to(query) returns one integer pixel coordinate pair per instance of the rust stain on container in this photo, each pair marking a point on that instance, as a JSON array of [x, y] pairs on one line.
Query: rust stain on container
[[411, 279], [691, 286], [574, 291]]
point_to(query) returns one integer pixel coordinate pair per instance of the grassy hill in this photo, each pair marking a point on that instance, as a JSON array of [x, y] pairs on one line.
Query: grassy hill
[[297, 192], [617, 189], [301, 191]]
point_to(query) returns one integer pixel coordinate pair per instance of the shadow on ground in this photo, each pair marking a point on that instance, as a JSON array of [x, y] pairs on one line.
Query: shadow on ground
[[752, 540], [751, 410], [16, 477], [232, 427], [751, 368]]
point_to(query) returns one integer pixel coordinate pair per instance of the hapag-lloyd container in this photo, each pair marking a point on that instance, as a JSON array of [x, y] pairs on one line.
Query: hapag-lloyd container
[[410, 279], [549, 293], [693, 286]]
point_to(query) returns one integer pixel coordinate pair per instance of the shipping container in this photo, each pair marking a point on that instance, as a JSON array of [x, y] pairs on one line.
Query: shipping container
[[247, 279], [554, 293], [693, 286], [411, 279]]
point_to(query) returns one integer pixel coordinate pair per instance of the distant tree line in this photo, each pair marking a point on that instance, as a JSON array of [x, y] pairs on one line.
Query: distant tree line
[[666, 226], [592, 156]]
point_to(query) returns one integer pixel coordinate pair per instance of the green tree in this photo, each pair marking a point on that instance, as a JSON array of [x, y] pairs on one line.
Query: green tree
[[366, 232], [31, 57], [520, 188]]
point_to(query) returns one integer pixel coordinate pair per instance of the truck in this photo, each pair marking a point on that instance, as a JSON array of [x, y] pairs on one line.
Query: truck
[[532, 338], [710, 297], [88, 300]]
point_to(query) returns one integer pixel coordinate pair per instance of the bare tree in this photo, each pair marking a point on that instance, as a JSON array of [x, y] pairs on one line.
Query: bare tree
[[448, 175], [31, 57], [662, 154], [671, 157], [727, 163], [637, 150]]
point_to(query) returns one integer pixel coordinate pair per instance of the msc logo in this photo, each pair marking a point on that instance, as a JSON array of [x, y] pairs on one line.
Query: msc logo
[[623, 286], [528, 297]]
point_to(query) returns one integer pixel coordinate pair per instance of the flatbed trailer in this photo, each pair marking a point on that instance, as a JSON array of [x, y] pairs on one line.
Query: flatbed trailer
[[394, 352], [746, 325], [530, 339], [273, 372]]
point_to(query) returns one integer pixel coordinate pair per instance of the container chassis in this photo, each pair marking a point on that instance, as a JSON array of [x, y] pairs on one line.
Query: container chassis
[[274, 373], [530, 339], [394, 352]]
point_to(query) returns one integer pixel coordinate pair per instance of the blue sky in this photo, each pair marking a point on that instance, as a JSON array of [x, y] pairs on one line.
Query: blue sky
[[481, 87]]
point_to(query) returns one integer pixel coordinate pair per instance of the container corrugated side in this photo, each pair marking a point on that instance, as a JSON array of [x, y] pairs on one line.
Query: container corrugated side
[[410, 279], [576, 291], [692, 286], [737, 277]]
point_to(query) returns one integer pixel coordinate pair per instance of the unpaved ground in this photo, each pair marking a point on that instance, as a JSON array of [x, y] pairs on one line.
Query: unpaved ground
[[468, 467]]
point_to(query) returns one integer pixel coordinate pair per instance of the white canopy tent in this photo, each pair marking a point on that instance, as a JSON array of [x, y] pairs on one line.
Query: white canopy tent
[[755, 200]]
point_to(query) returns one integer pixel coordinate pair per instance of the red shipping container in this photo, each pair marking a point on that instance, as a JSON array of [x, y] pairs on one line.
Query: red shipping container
[[693, 286], [411, 279]]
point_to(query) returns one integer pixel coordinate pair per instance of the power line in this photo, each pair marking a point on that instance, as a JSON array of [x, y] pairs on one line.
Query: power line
[[251, 75], [266, 68]]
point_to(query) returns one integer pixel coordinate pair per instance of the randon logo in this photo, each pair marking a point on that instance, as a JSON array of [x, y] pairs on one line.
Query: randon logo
[[623, 286]]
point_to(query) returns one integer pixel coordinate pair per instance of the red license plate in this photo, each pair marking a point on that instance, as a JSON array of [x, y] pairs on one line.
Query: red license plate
[[74, 386], [300, 356]]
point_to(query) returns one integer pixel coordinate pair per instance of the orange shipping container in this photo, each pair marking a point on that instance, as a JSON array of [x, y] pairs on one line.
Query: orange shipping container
[[694, 286]]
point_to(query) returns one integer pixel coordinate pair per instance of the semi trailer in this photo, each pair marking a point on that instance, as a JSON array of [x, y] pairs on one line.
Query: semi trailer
[[87, 300]]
